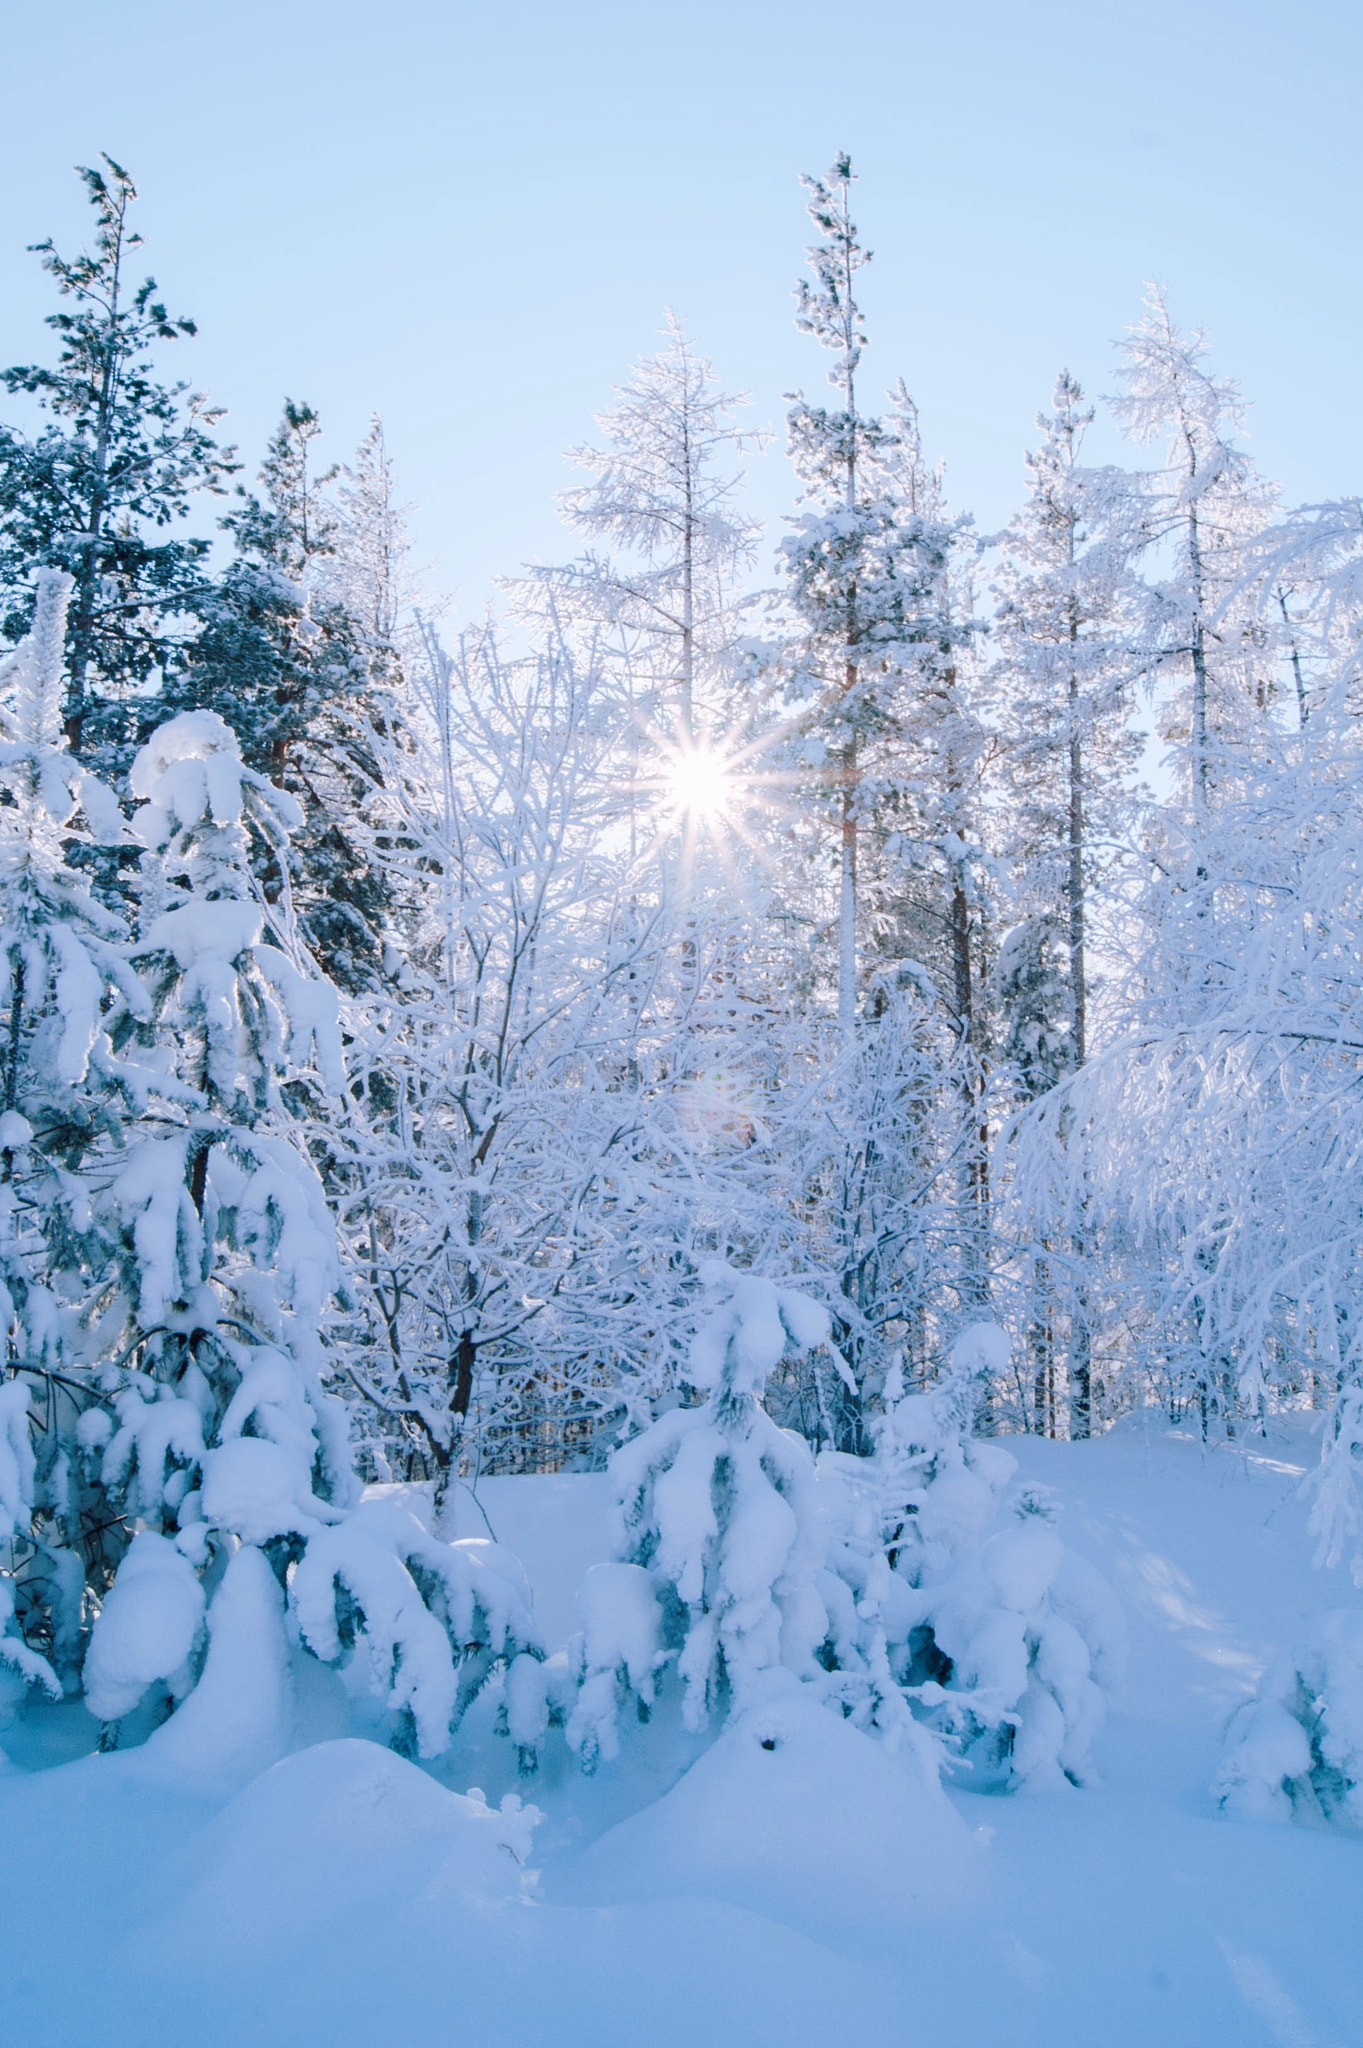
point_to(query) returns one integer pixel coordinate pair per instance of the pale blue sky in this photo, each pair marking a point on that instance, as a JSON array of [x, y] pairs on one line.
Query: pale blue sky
[[470, 219]]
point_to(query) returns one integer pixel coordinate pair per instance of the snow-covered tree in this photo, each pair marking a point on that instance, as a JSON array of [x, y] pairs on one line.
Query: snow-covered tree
[[1205, 508], [1062, 681], [1295, 1750], [367, 569], [663, 493], [69, 989], [718, 1543], [1213, 1141], [287, 662], [868, 578], [487, 1162], [1008, 1643]]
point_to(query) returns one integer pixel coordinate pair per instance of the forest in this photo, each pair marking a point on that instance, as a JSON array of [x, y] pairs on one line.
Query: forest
[[770, 1036]]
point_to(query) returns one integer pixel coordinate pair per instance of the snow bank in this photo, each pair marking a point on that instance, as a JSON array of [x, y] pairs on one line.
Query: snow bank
[[794, 1813], [326, 1836]]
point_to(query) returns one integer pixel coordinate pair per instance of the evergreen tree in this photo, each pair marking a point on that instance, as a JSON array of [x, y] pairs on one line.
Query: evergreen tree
[[868, 573], [284, 658], [120, 460], [365, 570], [167, 1252], [716, 1534], [68, 989]]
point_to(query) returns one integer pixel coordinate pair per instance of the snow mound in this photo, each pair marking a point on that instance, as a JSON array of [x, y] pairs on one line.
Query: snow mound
[[239, 1717], [327, 1838], [795, 1814]]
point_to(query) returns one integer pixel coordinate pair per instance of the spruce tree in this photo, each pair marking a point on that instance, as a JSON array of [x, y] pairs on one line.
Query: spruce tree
[[120, 460], [869, 581], [295, 671]]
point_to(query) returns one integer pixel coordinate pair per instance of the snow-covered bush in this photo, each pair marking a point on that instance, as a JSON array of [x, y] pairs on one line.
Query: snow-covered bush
[[1006, 1642], [1016, 1651], [1295, 1751], [875, 1581], [389, 1602], [718, 1538]]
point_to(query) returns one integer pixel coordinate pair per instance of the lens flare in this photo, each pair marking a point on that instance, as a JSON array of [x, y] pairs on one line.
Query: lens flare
[[698, 784]]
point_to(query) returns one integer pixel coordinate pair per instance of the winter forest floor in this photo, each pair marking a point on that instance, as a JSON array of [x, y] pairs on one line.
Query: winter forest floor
[[768, 1897]]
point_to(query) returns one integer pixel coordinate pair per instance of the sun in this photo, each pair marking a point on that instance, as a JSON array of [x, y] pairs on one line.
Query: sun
[[698, 783]]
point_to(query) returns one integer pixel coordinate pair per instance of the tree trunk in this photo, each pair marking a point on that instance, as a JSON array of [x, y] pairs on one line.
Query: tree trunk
[[847, 889]]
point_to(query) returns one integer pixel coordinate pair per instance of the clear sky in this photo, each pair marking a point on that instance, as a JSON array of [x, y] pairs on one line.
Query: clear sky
[[470, 218]]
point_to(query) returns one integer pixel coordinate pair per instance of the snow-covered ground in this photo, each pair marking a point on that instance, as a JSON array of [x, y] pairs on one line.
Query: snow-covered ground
[[792, 1883]]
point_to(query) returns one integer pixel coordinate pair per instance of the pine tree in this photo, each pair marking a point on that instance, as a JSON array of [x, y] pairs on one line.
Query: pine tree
[[868, 569], [717, 1538], [121, 459], [226, 1451], [285, 659]]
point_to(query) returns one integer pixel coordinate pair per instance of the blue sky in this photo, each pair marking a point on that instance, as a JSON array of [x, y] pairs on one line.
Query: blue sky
[[470, 219]]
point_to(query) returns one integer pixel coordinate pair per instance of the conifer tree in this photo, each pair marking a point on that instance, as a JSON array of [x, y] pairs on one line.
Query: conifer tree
[[120, 460], [283, 657], [868, 570], [69, 990]]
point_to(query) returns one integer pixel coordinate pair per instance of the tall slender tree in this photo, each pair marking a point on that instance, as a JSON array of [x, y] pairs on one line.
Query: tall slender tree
[[1063, 684], [1205, 508], [664, 495], [868, 571], [121, 458]]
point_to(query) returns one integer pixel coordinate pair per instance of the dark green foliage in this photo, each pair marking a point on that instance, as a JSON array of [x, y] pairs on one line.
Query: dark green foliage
[[119, 460], [288, 666]]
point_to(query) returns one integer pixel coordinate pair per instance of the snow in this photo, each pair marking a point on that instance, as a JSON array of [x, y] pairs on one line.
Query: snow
[[239, 1718], [146, 1630], [795, 1815], [340, 1829], [16, 1459], [819, 1891], [256, 1489], [201, 932]]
